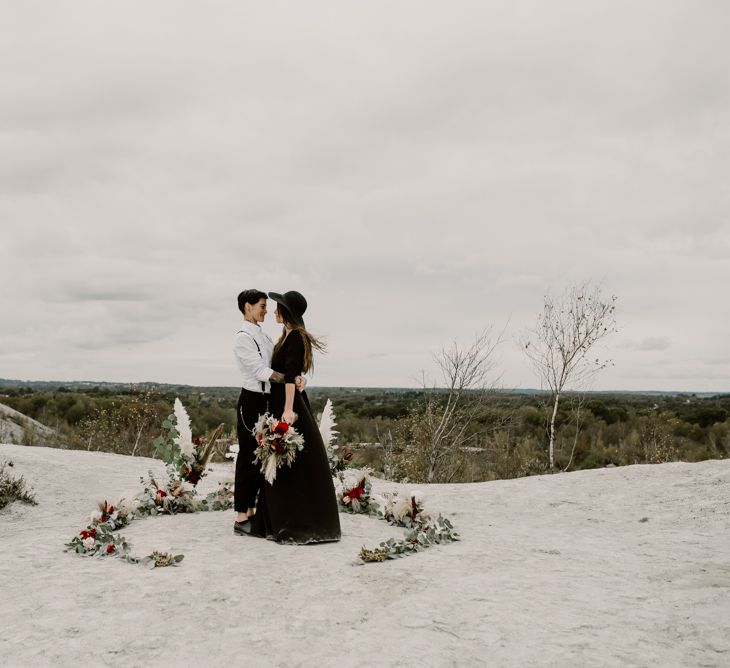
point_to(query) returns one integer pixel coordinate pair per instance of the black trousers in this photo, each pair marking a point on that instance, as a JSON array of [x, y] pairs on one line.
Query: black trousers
[[248, 475]]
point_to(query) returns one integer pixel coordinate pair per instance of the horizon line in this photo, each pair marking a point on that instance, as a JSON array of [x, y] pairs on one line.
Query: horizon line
[[531, 390]]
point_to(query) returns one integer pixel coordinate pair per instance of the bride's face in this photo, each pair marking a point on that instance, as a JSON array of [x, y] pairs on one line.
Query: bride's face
[[279, 319]]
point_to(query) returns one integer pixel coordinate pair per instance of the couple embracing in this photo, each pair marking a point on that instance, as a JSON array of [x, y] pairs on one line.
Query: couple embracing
[[299, 506]]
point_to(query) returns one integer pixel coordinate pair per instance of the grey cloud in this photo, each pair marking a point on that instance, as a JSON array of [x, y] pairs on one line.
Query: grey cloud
[[718, 361], [647, 344], [114, 336], [653, 343], [417, 174], [81, 294]]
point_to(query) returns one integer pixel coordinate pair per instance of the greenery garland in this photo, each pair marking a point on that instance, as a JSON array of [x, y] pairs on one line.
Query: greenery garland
[[101, 539], [422, 529]]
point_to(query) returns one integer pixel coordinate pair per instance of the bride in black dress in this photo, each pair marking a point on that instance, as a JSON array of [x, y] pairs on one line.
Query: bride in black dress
[[300, 506]]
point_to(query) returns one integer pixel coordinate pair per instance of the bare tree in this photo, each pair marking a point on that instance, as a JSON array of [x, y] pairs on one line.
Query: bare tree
[[442, 421], [567, 329], [389, 455], [577, 411]]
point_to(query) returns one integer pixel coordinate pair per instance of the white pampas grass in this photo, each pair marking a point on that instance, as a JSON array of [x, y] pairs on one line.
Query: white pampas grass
[[401, 507], [270, 470], [185, 438], [128, 506], [327, 424]]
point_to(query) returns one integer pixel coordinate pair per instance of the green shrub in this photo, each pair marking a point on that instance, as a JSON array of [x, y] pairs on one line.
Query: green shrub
[[13, 489], [592, 461]]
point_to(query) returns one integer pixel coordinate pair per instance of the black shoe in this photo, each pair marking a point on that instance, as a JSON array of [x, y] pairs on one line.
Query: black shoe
[[242, 528]]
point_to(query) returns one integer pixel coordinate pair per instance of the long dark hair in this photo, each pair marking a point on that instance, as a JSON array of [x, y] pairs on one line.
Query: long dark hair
[[310, 342]]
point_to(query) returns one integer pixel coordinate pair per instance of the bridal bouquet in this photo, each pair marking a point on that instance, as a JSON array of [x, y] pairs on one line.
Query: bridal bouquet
[[278, 444]]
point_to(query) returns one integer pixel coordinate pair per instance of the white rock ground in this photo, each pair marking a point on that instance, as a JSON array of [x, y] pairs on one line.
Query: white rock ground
[[615, 567]]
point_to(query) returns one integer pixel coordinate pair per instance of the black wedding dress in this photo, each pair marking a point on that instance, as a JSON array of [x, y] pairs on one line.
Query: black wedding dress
[[300, 506]]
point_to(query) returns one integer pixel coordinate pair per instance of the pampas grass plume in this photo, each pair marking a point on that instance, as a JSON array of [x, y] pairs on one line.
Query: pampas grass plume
[[327, 424], [185, 438]]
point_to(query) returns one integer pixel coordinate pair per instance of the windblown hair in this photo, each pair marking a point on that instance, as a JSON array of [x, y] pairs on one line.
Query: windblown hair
[[310, 342], [249, 297]]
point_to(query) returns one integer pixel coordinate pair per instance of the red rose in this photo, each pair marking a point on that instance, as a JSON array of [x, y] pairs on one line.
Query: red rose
[[161, 493], [279, 449], [281, 428], [261, 438], [110, 549], [355, 493]]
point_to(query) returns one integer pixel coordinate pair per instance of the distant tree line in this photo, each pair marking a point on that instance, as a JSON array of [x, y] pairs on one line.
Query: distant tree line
[[507, 435]]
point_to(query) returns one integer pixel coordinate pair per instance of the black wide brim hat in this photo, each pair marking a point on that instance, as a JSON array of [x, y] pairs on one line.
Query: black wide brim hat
[[293, 302]]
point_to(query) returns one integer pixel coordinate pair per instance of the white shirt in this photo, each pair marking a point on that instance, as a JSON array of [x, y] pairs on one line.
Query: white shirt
[[254, 363]]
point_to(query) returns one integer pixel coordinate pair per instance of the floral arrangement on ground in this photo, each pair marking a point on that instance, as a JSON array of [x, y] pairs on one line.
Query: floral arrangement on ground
[[354, 495], [423, 529], [186, 458]]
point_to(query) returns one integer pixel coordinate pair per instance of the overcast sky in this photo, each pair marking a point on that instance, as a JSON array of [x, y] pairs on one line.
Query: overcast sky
[[418, 170]]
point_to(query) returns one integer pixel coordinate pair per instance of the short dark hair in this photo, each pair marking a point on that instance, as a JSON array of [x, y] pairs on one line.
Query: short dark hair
[[249, 297]]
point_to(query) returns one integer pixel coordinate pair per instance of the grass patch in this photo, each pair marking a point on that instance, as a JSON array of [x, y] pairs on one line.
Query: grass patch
[[13, 489]]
